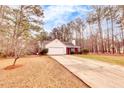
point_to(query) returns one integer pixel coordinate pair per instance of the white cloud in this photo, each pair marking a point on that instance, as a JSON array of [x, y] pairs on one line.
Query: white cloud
[[57, 15]]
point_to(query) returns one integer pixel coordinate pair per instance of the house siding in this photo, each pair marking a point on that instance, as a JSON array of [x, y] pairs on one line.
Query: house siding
[[56, 44], [57, 47]]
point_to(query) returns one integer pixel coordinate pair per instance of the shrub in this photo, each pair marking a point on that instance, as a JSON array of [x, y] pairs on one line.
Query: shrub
[[72, 52], [85, 51], [80, 52], [3, 55], [44, 52]]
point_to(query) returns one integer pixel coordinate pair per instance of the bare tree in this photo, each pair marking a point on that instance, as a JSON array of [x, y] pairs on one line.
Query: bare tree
[[19, 22]]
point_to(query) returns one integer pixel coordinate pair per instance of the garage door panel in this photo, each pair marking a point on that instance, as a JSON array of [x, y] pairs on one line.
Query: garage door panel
[[56, 50]]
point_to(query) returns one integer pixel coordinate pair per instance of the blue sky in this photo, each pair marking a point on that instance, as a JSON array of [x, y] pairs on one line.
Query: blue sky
[[56, 15]]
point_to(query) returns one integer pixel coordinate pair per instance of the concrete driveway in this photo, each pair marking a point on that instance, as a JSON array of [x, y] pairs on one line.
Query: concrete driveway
[[93, 73]]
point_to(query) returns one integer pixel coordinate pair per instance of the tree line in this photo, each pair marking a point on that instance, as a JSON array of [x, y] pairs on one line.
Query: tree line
[[101, 32]]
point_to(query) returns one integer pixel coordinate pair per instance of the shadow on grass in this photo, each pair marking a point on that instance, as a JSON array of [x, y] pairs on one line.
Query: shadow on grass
[[10, 67]]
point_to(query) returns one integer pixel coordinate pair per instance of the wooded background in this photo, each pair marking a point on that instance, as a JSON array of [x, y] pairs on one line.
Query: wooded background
[[21, 27]]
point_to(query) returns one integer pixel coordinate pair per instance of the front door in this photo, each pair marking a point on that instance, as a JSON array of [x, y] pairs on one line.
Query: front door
[[76, 50], [68, 50]]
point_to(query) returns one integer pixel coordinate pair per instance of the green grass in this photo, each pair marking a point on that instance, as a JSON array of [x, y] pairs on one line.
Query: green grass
[[106, 58]]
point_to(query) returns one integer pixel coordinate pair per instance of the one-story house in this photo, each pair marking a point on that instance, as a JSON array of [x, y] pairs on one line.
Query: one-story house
[[57, 47]]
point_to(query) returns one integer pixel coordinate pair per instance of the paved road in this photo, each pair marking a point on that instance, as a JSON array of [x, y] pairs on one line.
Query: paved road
[[94, 73]]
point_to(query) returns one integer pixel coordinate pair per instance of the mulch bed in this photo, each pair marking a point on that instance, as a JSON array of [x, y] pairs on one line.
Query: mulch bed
[[10, 67]]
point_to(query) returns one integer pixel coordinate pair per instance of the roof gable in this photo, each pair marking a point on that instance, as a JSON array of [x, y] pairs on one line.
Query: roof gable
[[56, 43]]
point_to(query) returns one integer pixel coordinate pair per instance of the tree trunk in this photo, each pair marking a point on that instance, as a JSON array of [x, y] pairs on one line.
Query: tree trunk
[[96, 45], [123, 32], [81, 38], [122, 39], [15, 41], [108, 38], [91, 48], [113, 50], [101, 35], [15, 60]]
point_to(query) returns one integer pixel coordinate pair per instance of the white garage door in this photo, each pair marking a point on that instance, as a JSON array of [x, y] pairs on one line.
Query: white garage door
[[55, 50]]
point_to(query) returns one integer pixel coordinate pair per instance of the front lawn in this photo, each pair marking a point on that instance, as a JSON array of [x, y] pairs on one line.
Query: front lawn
[[106, 58], [37, 72]]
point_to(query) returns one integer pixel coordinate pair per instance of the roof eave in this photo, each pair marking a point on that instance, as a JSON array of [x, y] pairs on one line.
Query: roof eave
[[73, 46]]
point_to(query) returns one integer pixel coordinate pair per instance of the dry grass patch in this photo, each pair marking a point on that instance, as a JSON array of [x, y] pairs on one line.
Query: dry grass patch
[[37, 72]]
